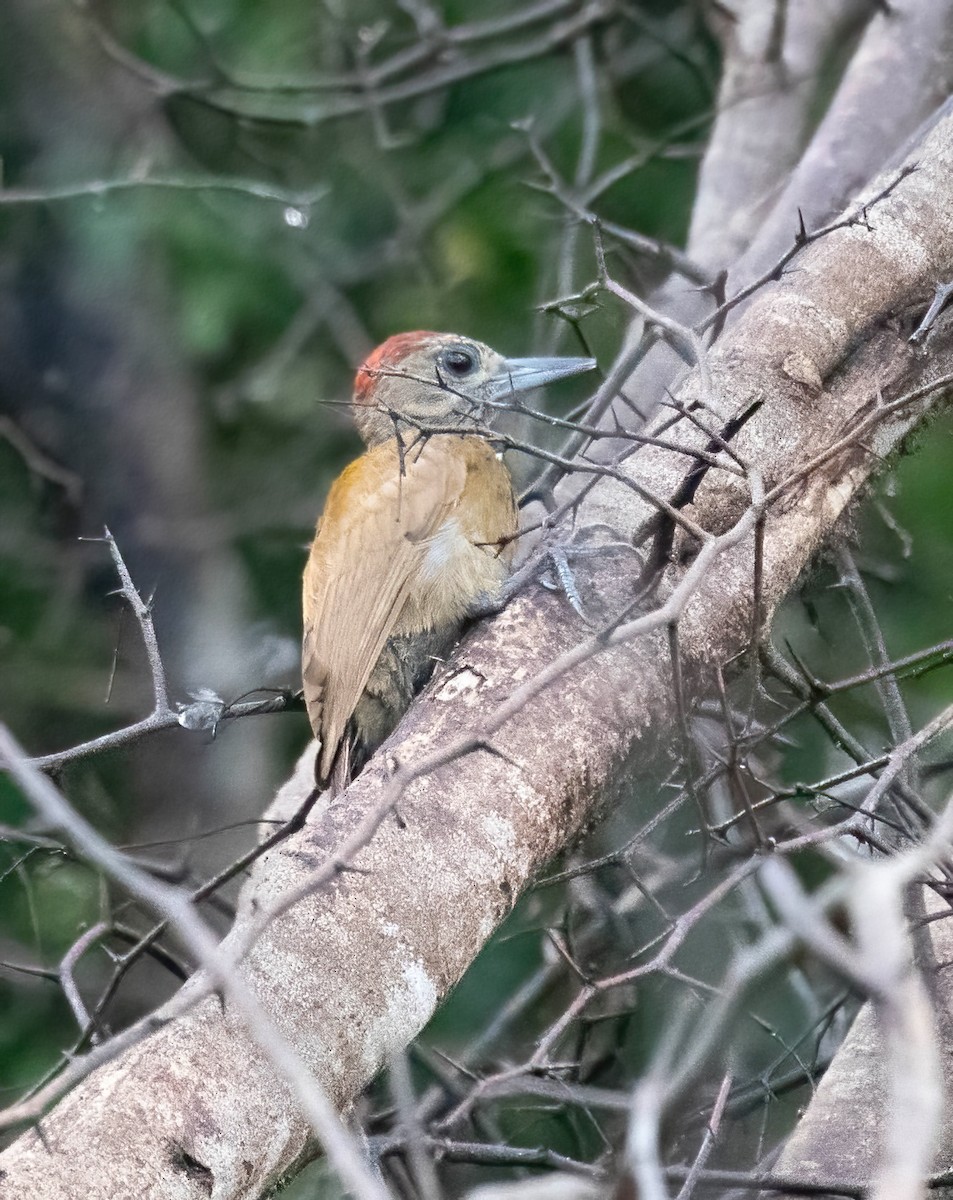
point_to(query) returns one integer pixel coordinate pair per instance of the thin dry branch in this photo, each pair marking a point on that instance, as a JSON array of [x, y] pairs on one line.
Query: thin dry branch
[[173, 905], [462, 807]]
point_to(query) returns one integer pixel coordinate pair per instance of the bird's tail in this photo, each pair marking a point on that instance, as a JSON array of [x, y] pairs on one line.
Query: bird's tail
[[339, 773]]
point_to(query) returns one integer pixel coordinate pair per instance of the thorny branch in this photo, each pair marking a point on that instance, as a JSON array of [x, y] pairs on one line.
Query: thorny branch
[[624, 924], [670, 942]]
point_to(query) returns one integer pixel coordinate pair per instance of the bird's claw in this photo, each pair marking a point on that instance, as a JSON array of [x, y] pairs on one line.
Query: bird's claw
[[563, 580]]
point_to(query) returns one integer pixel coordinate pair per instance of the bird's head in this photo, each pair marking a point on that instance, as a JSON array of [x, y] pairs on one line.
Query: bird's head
[[441, 381]]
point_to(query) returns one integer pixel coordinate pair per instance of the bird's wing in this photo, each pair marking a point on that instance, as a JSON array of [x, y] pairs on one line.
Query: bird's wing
[[368, 548]]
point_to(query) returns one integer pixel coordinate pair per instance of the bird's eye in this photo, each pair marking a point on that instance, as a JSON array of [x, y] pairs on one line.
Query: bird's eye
[[459, 362]]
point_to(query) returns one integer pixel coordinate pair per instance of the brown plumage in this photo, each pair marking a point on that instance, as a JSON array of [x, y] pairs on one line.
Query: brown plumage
[[415, 537]]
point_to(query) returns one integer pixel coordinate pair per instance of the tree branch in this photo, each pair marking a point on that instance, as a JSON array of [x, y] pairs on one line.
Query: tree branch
[[353, 931]]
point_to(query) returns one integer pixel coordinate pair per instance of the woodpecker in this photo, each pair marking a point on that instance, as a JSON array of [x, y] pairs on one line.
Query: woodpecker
[[416, 535]]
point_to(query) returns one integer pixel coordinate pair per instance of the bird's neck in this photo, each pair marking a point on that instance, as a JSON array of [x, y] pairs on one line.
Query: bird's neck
[[377, 427]]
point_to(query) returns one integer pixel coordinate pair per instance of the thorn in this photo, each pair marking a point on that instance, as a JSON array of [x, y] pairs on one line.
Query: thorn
[[817, 686], [716, 288], [490, 748], [41, 1134], [341, 867]]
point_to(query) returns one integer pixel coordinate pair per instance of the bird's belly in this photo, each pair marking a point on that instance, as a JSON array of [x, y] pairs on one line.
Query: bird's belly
[[456, 577]]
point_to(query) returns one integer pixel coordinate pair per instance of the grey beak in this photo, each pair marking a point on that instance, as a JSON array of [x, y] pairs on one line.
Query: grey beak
[[521, 374]]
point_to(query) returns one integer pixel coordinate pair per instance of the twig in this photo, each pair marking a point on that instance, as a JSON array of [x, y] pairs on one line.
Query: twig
[[177, 910]]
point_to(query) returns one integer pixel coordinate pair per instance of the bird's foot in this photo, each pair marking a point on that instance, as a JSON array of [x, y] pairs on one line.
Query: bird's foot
[[561, 578], [551, 567]]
